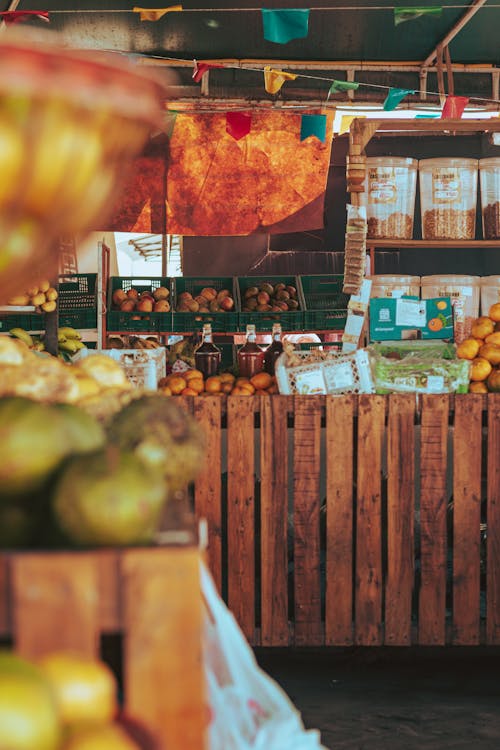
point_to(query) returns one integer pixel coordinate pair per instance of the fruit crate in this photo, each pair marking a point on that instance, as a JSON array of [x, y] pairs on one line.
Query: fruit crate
[[146, 322], [67, 600], [189, 322], [28, 321], [325, 302], [263, 321], [77, 302]]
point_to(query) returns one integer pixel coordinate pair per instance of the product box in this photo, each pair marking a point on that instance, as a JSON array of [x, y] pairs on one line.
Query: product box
[[404, 318]]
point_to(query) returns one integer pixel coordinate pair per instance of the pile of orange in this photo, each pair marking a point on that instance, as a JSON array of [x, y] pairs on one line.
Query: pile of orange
[[192, 383], [482, 348]]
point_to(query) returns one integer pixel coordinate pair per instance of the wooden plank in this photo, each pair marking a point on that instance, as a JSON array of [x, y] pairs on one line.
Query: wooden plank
[[400, 515], [163, 665], [433, 502], [208, 486], [467, 437], [306, 519], [368, 595], [493, 520], [339, 520], [241, 512], [274, 520], [110, 601], [55, 603]]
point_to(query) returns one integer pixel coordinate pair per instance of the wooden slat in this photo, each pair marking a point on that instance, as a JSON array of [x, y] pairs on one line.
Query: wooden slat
[[433, 502], [164, 683], [400, 515], [274, 520], [493, 520], [208, 486], [5, 618], [55, 603], [110, 601], [241, 512], [467, 437], [368, 596], [339, 520], [306, 515]]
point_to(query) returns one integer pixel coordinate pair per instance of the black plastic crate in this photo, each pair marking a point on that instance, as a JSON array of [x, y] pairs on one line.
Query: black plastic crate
[[77, 291], [78, 318], [27, 321], [263, 321], [189, 322], [325, 302], [134, 322]]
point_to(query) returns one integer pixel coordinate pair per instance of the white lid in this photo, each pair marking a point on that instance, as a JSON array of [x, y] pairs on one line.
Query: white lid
[[490, 281], [391, 161], [447, 163], [395, 278], [450, 279], [491, 162]]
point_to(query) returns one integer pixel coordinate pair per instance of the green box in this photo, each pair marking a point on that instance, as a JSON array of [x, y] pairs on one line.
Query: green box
[[77, 304], [189, 322], [291, 320], [325, 304], [137, 322], [406, 318]]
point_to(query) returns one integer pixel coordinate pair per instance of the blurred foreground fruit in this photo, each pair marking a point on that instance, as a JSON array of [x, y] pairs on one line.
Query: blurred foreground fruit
[[109, 737]]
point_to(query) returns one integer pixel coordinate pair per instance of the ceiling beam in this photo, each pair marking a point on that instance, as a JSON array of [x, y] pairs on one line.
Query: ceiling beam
[[458, 26]]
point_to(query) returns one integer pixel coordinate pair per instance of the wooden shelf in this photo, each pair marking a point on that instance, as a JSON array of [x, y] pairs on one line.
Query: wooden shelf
[[444, 244]]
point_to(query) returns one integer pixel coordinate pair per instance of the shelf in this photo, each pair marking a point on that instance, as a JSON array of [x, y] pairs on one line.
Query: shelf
[[17, 309], [452, 244]]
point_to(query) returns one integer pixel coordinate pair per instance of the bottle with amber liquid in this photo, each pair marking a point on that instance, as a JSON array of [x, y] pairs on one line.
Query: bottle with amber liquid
[[250, 355], [274, 350], [207, 356]]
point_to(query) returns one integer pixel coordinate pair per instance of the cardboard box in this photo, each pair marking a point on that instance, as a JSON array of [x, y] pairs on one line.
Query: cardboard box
[[406, 318]]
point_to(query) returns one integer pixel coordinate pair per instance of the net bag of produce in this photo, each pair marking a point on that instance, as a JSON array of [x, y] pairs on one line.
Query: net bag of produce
[[248, 710]]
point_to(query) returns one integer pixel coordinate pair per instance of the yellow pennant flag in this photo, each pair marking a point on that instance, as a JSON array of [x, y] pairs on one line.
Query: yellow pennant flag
[[346, 121], [150, 14], [274, 79]]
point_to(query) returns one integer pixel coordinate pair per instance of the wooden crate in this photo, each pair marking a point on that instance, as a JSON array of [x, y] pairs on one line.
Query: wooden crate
[[53, 601], [339, 520]]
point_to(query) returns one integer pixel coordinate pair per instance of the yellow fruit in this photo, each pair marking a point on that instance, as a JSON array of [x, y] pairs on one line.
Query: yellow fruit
[[441, 305], [177, 384], [84, 689], [49, 306], [196, 384], [213, 384], [192, 374], [239, 391], [482, 327], [226, 387], [189, 392], [166, 391], [241, 381], [32, 291], [468, 349], [19, 301], [494, 312], [51, 294], [110, 737], [38, 299], [480, 369], [478, 387], [248, 387], [261, 380], [493, 338], [227, 377], [44, 286], [491, 352]]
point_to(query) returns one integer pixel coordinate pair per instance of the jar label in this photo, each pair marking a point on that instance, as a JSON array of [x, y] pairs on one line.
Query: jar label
[[446, 186], [382, 185]]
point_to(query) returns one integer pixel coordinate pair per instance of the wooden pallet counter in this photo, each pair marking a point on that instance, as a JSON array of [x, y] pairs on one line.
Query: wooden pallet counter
[[368, 520], [66, 601]]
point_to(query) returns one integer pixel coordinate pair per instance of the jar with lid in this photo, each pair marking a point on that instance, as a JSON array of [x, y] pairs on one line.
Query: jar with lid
[[207, 356], [274, 349], [250, 355]]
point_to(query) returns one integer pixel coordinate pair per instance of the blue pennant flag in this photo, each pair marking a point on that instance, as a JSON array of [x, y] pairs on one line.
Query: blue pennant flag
[[281, 26], [313, 125], [394, 97]]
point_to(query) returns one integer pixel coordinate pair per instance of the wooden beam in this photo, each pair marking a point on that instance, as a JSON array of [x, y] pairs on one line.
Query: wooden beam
[[458, 26]]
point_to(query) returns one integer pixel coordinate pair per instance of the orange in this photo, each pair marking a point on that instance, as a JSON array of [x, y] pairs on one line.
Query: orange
[[176, 384], [261, 380], [491, 352], [273, 388], [196, 384], [248, 387], [227, 377], [189, 392], [480, 369], [493, 338], [241, 380], [478, 387], [213, 384], [193, 375], [166, 391], [227, 387], [493, 382], [468, 349], [482, 327], [238, 391], [494, 312], [435, 324]]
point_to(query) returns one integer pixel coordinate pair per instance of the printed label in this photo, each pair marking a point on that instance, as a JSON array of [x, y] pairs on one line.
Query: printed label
[[446, 186], [339, 376], [382, 185], [411, 313], [308, 383]]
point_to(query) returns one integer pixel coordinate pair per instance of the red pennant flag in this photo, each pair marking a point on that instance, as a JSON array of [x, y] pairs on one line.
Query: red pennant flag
[[16, 16], [238, 124], [454, 107], [200, 68]]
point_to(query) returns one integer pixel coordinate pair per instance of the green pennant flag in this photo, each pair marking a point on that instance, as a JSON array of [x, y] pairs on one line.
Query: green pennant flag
[[338, 86], [411, 13], [281, 26], [394, 97]]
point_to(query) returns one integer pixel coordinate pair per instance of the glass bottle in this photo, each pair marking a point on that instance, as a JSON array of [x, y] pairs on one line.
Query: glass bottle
[[207, 356], [274, 350], [250, 355]]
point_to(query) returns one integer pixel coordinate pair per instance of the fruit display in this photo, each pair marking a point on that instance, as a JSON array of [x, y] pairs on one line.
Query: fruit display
[[69, 341], [270, 297], [192, 383], [41, 295], [146, 301], [482, 348], [209, 300], [64, 702]]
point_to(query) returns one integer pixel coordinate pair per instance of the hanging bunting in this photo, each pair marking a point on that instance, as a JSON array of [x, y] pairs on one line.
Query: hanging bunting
[[238, 124], [281, 26], [338, 86], [274, 79], [17, 16], [410, 14], [313, 125], [454, 107], [394, 97], [426, 117], [150, 14], [200, 68], [346, 121]]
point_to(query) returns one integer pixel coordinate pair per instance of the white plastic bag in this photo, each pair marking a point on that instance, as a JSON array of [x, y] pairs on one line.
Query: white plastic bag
[[249, 711]]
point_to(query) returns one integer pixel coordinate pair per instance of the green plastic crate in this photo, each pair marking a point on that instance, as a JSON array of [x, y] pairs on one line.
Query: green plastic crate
[[325, 302], [263, 321], [28, 321], [221, 322], [77, 303], [123, 322]]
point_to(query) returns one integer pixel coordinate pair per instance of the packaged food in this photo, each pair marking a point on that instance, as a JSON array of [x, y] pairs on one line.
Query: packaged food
[[390, 188]]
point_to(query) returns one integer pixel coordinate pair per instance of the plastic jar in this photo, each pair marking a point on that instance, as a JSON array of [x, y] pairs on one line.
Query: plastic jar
[[489, 175], [448, 195], [490, 292], [396, 285], [390, 187], [464, 292]]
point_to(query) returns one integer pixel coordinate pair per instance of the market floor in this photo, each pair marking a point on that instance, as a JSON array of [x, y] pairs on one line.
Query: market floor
[[440, 699]]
